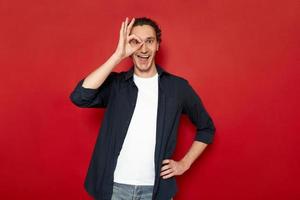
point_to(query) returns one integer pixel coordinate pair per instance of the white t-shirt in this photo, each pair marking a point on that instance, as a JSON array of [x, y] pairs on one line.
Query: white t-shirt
[[135, 163]]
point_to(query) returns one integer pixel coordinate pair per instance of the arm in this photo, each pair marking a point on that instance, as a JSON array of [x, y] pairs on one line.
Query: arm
[[194, 152], [94, 90], [175, 168], [205, 129], [124, 49]]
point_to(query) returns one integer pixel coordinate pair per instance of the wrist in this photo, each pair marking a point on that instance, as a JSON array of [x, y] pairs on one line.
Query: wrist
[[186, 164], [116, 58]]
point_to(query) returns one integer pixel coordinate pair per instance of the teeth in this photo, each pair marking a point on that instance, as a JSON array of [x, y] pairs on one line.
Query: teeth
[[143, 56]]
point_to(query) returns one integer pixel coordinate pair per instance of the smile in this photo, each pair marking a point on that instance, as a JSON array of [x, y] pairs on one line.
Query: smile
[[144, 57]]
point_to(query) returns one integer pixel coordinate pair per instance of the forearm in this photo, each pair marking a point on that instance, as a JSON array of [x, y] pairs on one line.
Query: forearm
[[98, 76], [124, 49], [195, 150]]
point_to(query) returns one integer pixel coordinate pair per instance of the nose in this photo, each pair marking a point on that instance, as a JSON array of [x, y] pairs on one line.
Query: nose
[[144, 48]]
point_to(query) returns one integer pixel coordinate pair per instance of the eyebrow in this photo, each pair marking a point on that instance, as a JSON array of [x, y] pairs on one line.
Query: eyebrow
[[150, 38]]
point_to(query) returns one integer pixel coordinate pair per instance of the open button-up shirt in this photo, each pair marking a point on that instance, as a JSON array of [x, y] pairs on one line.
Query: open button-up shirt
[[118, 94]]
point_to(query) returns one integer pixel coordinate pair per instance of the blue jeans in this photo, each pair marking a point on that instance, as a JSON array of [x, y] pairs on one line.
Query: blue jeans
[[131, 192]]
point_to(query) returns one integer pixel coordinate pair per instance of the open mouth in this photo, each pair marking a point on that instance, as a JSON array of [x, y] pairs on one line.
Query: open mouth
[[143, 57]]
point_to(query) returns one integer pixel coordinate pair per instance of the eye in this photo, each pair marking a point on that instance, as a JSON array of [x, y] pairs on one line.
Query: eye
[[134, 41], [149, 41]]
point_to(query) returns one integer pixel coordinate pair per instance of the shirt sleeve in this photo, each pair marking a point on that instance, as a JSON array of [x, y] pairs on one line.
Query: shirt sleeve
[[194, 108], [93, 98]]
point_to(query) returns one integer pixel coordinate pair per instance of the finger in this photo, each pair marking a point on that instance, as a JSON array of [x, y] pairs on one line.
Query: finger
[[130, 26], [166, 161], [165, 167], [125, 27], [137, 47], [122, 29], [168, 176], [133, 36], [166, 172]]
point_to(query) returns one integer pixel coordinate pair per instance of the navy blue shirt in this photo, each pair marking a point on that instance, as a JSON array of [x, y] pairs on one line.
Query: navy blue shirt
[[118, 94]]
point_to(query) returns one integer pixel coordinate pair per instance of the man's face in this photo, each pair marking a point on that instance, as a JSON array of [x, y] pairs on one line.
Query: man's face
[[144, 57]]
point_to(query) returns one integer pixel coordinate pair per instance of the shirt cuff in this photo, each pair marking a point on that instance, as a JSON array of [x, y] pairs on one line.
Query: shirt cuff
[[204, 137], [86, 93]]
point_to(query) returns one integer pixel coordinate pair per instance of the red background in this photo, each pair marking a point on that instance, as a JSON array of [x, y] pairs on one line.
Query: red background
[[242, 57]]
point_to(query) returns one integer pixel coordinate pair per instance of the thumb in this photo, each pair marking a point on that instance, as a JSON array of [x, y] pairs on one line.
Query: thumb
[[138, 46]]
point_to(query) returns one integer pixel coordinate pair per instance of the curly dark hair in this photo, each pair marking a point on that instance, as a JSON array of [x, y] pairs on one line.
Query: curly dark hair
[[147, 21]]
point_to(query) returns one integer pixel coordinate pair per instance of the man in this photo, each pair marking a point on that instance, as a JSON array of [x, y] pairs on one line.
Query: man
[[132, 155]]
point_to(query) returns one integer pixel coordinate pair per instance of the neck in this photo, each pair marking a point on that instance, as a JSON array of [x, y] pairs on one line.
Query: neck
[[146, 74]]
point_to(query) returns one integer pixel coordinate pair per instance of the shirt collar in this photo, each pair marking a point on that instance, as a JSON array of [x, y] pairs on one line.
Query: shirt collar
[[130, 72]]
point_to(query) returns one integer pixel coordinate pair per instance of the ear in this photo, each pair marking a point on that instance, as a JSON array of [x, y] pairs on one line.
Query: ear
[[157, 47]]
